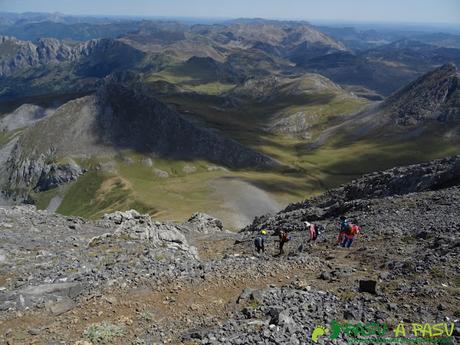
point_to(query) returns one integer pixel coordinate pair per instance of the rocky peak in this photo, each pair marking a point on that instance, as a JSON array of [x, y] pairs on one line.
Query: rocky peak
[[51, 49], [434, 96]]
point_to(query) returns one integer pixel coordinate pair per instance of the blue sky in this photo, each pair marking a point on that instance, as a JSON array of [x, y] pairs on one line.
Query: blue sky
[[408, 11]]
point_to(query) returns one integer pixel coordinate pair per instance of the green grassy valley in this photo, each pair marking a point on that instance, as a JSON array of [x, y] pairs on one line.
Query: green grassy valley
[[173, 190]]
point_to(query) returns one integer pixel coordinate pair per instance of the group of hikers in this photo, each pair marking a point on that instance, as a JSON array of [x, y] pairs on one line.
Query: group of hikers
[[348, 230]]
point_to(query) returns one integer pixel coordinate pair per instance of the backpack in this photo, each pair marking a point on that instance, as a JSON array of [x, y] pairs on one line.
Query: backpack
[[353, 229], [345, 226], [319, 229], [285, 237], [258, 241]]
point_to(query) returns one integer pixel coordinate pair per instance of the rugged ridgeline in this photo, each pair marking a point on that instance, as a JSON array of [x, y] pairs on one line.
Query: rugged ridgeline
[[434, 96], [20, 55], [127, 279], [115, 118], [429, 106], [234, 51], [231, 53], [367, 191], [53, 67]]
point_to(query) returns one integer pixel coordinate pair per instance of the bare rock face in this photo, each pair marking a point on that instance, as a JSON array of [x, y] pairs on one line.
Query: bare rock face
[[37, 172], [24, 54], [54, 175], [296, 125]]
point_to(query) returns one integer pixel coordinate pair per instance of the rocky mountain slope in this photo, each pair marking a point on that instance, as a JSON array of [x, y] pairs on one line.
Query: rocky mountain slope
[[399, 181], [434, 96], [127, 279], [115, 118], [427, 106], [17, 55], [49, 67], [22, 117]]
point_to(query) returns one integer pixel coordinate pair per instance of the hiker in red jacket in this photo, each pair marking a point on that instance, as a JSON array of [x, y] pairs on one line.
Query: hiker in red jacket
[[350, 235]]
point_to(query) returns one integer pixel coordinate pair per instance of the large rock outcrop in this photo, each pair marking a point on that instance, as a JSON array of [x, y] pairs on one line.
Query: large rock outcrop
[[24, 173], [132, 225]]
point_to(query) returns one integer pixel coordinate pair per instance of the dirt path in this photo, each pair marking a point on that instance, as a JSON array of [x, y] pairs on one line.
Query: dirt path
[[164, 313], [54, 204], [172, 308]]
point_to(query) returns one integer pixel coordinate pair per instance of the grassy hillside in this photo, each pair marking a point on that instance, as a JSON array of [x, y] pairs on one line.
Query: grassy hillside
[[129, 182]]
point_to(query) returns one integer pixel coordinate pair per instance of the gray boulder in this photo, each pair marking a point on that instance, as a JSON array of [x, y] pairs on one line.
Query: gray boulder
[[57, 298], [203, 223]]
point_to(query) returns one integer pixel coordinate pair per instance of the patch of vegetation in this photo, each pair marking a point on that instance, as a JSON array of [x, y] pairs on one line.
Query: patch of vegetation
[[103, 332], [213, 88], [145, 316], [254, 304], [349, 295], [80, 199], [43, 199]]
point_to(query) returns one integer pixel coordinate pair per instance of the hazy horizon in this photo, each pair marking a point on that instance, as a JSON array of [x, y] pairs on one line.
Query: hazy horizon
[[431, 12]]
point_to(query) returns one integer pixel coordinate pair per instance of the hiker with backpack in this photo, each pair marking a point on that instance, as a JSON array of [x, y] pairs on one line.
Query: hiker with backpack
[[284, 237], [315, 230], [318, 230], [344, 228], [259, 241], [353, 231]]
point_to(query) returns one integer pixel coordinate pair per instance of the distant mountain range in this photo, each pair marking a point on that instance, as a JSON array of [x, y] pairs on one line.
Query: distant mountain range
[[287, 106]]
